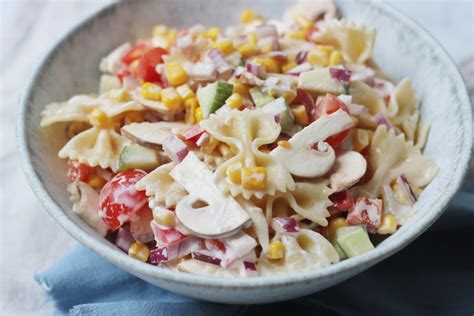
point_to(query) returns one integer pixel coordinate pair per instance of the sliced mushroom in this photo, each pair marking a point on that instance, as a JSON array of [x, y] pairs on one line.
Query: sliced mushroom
[[300, 158], [86, 204], [348, 169], [151, 134], [206, 211]]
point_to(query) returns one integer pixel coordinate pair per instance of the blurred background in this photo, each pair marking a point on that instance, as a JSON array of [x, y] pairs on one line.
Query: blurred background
[[30, 240]]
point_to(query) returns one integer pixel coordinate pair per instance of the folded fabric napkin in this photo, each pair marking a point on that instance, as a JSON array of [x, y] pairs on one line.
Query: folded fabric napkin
[[433, 275]]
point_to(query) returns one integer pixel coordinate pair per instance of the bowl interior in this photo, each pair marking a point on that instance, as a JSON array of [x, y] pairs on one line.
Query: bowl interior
[[402, 49]]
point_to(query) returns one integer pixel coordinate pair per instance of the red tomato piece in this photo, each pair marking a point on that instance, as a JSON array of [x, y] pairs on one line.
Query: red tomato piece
[[366, 212], [305, 98], [327, 105], [135, 53], [119, 200], [342, 202], [78, 171], [193, 133], [148, 62]]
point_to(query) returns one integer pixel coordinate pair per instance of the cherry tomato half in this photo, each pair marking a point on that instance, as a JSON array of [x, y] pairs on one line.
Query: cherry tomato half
[[148, 62], [78, 171], [327, 105], [119, 200], [135, 53]]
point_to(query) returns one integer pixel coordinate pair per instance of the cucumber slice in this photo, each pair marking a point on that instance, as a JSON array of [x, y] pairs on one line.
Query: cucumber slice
[[138, 157], [108, 82], [319, 81], [260, 98], [213, 96], [354, 242], [341, 253], [280, 107]]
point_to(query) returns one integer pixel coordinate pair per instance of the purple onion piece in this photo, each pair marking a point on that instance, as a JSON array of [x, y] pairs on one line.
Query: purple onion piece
[[285, 225], [301, 57], [159, 255], [279, 55], [175, 148], [256, 70], [300, 68], [205, 258], [250, 266], [403, 184], [340, 74], [381, 119], [219, 60]]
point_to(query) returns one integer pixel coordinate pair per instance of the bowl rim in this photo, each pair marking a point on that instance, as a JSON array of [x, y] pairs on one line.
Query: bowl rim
[[361, 262]]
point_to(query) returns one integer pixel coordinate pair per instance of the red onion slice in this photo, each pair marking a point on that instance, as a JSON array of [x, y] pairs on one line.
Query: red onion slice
[[203, 139], [300, 68], [279, 55], [250, 269], [219, 60], [403, 184], [301, 57], [256, 70], [175, 148], [205, 258], [381, 119], [340, 74], [193, 133], [124, 239], [285, 225]]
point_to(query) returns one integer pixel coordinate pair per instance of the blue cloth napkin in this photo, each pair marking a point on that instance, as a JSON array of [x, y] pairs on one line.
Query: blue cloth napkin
[[433, 275]]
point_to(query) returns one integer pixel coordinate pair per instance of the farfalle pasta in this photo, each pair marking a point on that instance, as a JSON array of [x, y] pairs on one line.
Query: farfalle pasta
[[270, 147]]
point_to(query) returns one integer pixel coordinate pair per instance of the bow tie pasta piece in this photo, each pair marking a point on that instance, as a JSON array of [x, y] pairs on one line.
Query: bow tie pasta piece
[[95, 147], [355, 41], [307, 251], [391, 156], [403, 108], [161, 187], [308, 199], [364, 95], [77, 108], [245, 132]]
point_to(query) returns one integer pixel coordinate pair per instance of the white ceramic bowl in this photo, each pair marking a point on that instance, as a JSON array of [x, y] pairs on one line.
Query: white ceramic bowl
[[402, 49]]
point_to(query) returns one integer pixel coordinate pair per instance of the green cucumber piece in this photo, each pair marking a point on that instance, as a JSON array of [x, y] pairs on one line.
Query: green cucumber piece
[[138, 157], [341, 253], [319, 81], [108, 82], [259, 98], [354, 242], [213, 96], [280, 107]]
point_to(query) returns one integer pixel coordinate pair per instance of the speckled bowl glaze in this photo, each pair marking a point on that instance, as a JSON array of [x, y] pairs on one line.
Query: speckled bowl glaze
[[402, 49]]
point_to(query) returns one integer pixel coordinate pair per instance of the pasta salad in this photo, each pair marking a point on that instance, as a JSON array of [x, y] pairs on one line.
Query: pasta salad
[[269, 147]]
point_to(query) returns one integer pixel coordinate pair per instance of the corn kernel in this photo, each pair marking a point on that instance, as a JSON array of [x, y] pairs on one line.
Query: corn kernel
[[175, 73], [139, 251], [334, 225], [164, 217], [160, 30], [212, 33], [225, 46], [171, 98], [150, 91], [75, 128], [235, 101], [271, 65], [185, 92], [252, 37], [361, 139], [134, 117], [190, 106], [99, 118], [285, 144], [301, 35], [288, 66], [254, 178], [198, 115], [120, 95], [97, 182], [336, 58], [242, 89], [234, 172], [388, 226], [325, 48], [183, 259], [304, 22], [300, 114], [247, 50], [248, 16], [276, 250], [209, 146], [171, 38], [318, 58]]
